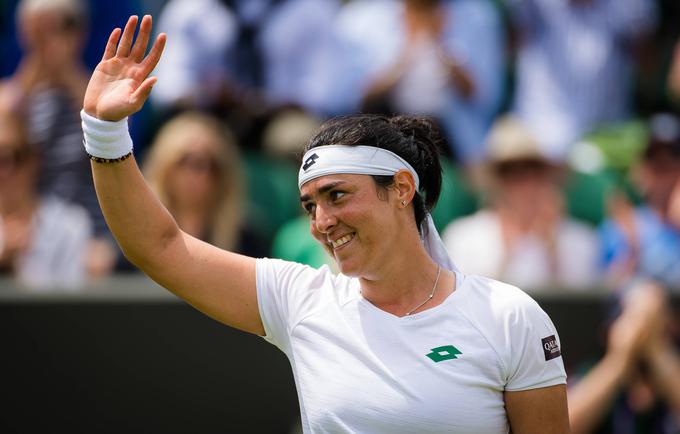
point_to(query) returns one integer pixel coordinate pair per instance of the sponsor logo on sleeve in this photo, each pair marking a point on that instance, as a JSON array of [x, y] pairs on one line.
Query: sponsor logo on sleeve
[[550, 348]]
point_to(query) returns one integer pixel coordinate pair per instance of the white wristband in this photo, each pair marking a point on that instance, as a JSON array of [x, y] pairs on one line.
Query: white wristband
[[105, 139]]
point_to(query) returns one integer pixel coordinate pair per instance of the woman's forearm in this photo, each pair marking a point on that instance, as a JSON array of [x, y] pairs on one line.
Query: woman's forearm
[[140, 223]]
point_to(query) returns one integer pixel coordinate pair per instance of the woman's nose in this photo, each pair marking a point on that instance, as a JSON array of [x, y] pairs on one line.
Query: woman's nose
[[324, 220]]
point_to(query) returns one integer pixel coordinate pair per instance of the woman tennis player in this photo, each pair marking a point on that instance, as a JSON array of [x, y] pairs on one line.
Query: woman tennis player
[[400, 341]]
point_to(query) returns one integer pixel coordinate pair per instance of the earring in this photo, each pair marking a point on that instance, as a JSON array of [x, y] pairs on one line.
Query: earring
[[403, 203]]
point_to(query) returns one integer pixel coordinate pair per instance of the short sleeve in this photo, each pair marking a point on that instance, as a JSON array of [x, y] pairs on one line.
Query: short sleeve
[[535, 357], [288, 292]]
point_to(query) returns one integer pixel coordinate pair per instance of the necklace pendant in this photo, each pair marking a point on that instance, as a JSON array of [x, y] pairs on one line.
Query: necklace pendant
[[434, 288]]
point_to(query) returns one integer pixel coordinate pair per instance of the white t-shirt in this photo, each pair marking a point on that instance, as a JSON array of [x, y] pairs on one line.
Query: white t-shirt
[[359, 369], [56, 255]]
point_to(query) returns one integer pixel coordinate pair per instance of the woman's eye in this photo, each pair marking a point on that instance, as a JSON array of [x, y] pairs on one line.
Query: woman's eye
[[335, 195]]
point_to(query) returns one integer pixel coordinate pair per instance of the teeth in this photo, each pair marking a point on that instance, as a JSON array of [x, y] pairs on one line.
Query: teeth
[[340, 241]]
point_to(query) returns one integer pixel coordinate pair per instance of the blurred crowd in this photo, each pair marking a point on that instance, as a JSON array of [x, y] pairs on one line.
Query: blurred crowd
[[562, 151]]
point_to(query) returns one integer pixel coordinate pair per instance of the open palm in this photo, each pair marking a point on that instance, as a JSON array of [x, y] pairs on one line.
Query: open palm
[[120, 84]]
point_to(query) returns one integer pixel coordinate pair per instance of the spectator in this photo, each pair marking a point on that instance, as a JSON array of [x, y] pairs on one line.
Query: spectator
[[251, 15], [213, 63], [197, 69], [575, 65], [43, 239], [298, 53], [194, 167], [49, 85], [443, 59], [635, 387], [523, 236], [287, 133], [645, 241]]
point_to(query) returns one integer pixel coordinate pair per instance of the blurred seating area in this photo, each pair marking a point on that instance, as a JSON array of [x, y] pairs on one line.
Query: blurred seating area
[[561, 121], [582, 79]]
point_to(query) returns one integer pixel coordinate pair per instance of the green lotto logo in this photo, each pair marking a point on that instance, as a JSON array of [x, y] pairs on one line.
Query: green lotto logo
[[447, 352]]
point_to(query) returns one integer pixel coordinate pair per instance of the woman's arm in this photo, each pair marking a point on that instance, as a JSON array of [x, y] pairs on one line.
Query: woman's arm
[[538, 411], [219, 283]]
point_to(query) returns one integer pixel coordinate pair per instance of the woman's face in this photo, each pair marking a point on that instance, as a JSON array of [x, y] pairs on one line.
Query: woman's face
[[354, 219], [194, 176]]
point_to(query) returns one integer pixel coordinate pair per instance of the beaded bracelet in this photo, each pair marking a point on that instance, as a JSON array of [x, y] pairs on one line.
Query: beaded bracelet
[[109, 160]]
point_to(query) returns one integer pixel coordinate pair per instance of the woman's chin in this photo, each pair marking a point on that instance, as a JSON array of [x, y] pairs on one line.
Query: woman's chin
[[347, 267]]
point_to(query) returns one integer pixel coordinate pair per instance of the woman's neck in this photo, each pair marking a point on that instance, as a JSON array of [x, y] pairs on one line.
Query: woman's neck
[[406, 282]]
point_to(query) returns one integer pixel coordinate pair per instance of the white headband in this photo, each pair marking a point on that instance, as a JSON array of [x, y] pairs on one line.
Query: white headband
[[358, 160], [369, 160]]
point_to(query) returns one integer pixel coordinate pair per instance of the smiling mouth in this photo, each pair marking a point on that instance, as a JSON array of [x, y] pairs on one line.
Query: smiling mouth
[[342, 241]]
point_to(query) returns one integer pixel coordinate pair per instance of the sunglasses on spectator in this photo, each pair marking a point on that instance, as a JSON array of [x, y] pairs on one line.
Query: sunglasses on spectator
[[13, 158], [511, 169], [199, 163]]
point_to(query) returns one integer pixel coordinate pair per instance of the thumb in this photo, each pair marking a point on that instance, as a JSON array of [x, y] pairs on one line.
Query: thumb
[[140, 95]]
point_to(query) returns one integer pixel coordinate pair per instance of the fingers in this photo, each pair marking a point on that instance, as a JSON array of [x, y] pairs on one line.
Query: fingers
[[110, 49], [126, 40], [142, 92], [142, 41], [154, 55]]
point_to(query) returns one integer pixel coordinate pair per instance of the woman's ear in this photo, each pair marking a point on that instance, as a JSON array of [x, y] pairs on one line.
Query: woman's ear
[[405, 187]]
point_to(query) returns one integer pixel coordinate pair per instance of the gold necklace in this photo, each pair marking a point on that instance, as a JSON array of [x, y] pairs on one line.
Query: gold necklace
[[429, 297]]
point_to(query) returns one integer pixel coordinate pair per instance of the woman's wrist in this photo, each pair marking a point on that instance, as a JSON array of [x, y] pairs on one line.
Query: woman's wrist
[[105, 140]]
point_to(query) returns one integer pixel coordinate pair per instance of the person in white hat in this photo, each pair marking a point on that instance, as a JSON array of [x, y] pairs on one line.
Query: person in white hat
[[400, 341], [524, 236]]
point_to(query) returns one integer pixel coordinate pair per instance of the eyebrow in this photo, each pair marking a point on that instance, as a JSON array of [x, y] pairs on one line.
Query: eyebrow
[[323, 189]]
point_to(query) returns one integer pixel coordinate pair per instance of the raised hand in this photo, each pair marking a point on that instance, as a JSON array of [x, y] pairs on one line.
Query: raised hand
[[642, 317], [120, 84]]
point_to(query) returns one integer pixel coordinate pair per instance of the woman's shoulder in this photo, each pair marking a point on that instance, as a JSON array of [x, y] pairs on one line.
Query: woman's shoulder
[[493, 289], [289, 292], [303, 278], [499, 299], [510, 319]]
